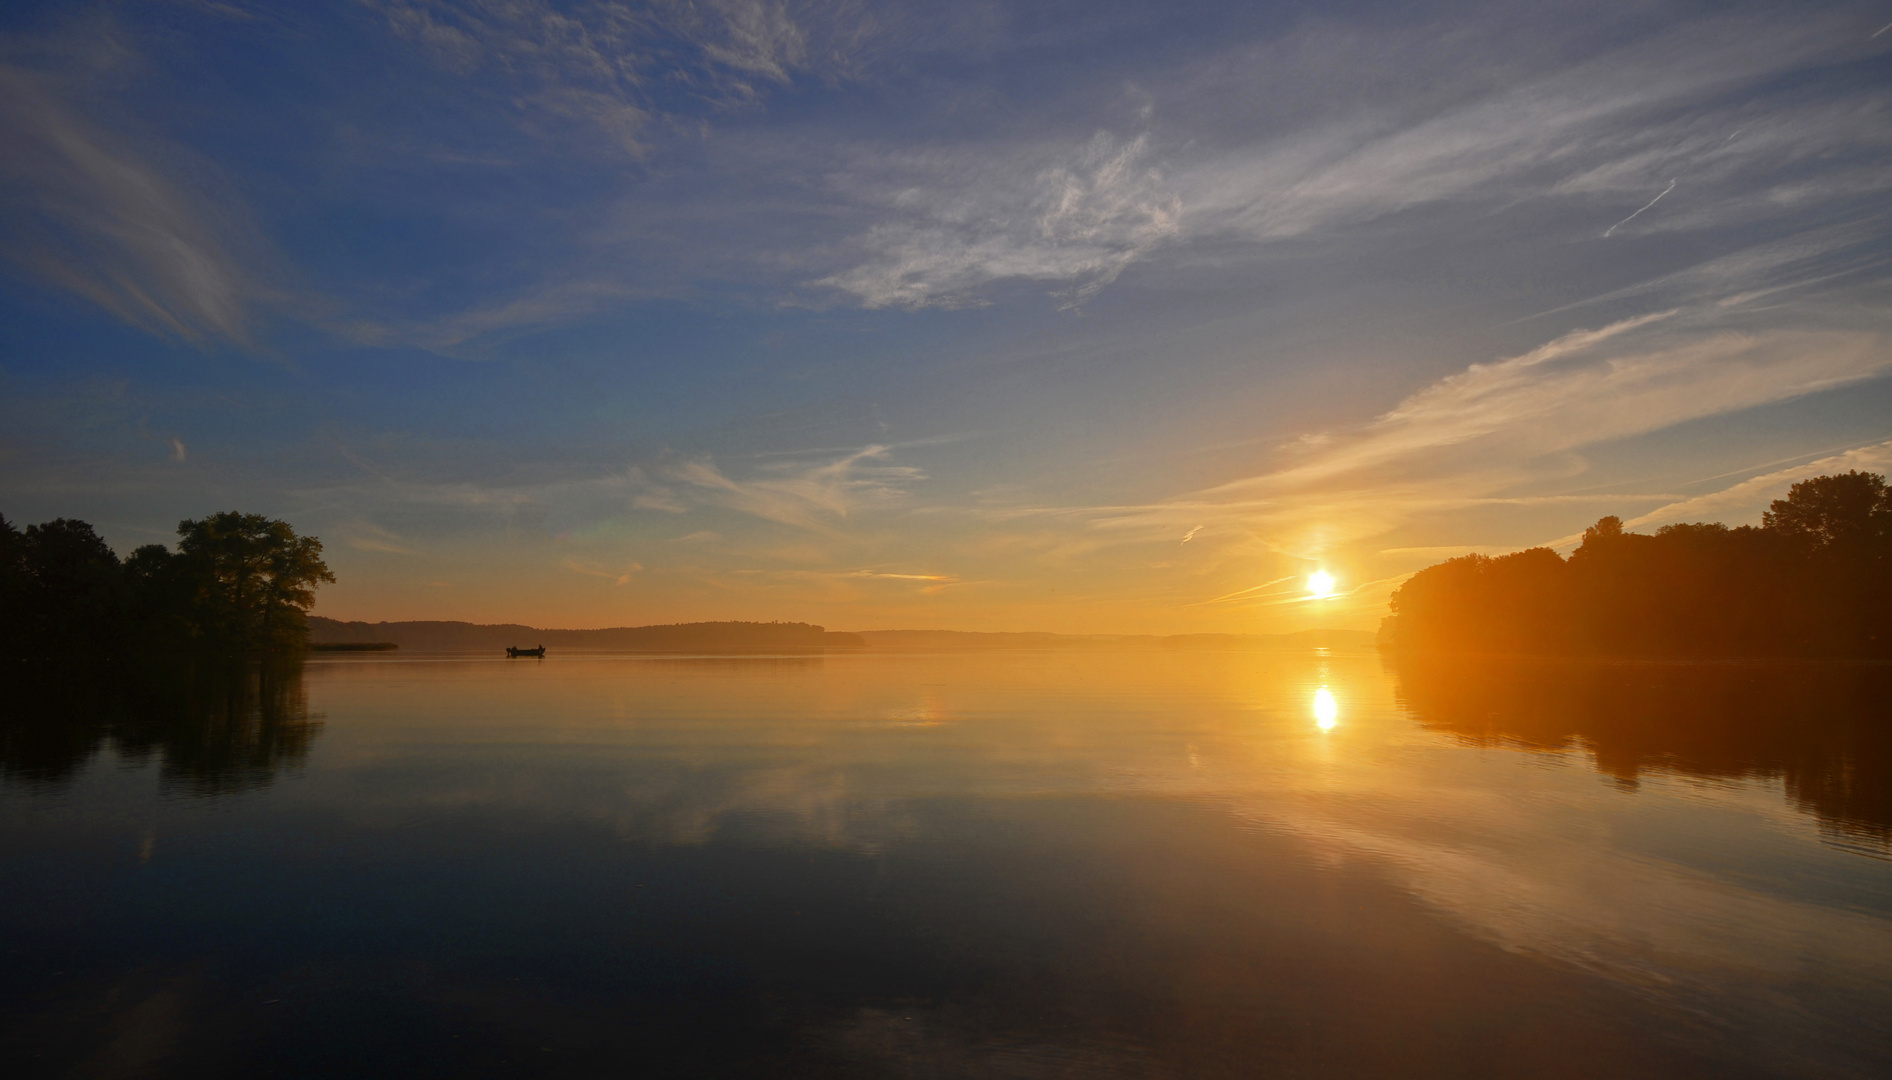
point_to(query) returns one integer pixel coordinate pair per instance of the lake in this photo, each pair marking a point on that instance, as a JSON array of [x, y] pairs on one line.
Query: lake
[[998, 864]]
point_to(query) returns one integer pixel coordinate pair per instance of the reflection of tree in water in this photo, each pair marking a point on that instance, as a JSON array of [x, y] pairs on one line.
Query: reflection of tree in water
[[1824, 729], [214, 728]]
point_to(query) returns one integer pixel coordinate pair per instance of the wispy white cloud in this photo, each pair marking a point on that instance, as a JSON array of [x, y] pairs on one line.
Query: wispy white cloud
[[661, 499], [753, 36], [88, 212], [620, 574], [595, 63], [899, 577], [1511, 398], [1599, 130], [1605, 125], [1796, 262], [576, 64], [1494, 427], [1078, 219], [1758, 489], [826, 504], [798, 493], [367, 536]]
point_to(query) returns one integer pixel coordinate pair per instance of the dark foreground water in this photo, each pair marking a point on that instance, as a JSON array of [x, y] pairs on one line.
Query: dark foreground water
[[1003, 865]]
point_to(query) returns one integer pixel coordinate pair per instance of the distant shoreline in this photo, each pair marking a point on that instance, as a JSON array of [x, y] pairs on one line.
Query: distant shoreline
[[794, 638]]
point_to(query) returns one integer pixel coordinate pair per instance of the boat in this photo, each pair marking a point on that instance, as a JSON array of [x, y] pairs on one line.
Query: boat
[[539, 652]]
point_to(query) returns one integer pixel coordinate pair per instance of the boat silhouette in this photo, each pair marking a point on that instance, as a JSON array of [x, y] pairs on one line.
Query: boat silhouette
[[512, 651]]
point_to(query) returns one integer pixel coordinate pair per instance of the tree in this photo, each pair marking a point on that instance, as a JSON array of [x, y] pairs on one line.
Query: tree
[[1814, 580], [160, 600], [1844, 525], [1851, 508], [254, 579], [1474, 603], [13, 586], [1605, 530], [71, 595]]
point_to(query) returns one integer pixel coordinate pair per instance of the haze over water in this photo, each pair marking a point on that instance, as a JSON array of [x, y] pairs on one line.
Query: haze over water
[[1053, 863]]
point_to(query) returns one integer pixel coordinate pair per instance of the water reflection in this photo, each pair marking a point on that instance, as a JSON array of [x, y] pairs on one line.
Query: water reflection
[[1326, 712], [1014, 864], [212, 727], [1820, 728]]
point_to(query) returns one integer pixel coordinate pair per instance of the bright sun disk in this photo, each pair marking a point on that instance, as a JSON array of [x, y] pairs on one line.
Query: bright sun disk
[[1320, 583]]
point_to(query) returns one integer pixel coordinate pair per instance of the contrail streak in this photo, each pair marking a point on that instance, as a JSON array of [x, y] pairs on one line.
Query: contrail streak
[[1881, 30], [1240, 593], [1632, 217]]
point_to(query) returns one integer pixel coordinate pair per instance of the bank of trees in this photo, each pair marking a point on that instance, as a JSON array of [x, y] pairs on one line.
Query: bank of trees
[[236, 584], [1813, 579]]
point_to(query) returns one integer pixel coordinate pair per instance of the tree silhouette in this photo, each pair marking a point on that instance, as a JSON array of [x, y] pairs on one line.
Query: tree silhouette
[[1853, 508], [1815, 579], [64, 588], [255, 578], [192, 655], [238, 583]]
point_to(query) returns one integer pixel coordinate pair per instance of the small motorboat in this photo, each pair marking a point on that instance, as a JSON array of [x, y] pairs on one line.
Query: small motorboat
[[539, 652]]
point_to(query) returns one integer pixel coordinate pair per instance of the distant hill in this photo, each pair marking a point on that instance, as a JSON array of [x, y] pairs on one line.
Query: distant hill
[[1305, 639], [931, 640], [749, 637], [934, 640], [707, 637]]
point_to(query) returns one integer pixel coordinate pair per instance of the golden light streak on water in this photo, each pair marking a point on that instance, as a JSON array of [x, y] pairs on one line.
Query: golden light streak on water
[[1326, 710]]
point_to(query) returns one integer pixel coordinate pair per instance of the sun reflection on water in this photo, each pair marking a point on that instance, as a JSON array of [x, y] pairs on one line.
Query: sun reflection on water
[[1326, 711]]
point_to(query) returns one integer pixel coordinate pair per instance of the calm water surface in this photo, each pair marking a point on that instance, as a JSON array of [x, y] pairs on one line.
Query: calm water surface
[[1007, 864]]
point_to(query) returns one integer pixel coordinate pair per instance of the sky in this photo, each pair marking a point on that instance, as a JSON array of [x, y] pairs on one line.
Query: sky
[[1083, 317]]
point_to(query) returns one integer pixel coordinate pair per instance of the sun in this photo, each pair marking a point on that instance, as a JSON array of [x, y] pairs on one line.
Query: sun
[[1320, 583]]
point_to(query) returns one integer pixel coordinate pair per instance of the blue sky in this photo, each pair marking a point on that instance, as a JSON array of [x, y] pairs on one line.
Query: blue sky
[[1081, 317]]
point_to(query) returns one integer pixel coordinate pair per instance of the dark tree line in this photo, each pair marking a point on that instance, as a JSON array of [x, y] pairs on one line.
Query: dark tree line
[[1813, 579], [191, 657], [238, 584]]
